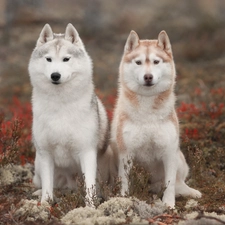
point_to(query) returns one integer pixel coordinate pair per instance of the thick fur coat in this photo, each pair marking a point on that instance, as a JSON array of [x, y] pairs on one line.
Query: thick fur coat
[[70, 126], [145, 126]]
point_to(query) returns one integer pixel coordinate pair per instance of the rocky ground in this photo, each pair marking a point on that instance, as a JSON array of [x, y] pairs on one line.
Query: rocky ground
[[116, 210]]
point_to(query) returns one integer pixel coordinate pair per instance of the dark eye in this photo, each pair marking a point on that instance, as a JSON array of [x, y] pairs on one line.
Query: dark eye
[[66, 59], [48, 59], [138, 62], [156, 62]]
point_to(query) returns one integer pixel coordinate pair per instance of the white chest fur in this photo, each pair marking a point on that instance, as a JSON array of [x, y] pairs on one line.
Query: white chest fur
[[62, 128]]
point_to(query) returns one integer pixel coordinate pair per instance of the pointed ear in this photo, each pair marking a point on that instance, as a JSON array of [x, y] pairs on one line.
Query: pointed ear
[[132, 42], [45, 35], [72, 35], [164, 42]]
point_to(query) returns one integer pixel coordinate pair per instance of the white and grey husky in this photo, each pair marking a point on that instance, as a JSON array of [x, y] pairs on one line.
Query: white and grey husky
[[70, 124], [145, 125]]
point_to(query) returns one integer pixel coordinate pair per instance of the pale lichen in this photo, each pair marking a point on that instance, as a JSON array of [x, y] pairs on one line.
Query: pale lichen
[[148, 211], [31, 210], [116, 210], [191, 203], [86, 216], [15, 173]]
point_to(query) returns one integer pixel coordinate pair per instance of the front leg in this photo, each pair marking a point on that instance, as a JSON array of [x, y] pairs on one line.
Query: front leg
[[88, 160], [125, 165], [170, 168], [46, 169]]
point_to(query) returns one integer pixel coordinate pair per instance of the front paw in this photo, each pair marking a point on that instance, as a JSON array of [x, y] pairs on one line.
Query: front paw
[[169, 201], [123, 192], [46, 198], [37, 193], [195, 193]]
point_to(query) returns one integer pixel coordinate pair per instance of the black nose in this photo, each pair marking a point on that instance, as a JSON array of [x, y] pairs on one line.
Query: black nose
[[55, 76], [148, 78]]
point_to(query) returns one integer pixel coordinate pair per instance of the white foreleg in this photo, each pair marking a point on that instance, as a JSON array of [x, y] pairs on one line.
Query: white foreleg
[[125, 165], [88, 161], [47, 176], [170, 168]]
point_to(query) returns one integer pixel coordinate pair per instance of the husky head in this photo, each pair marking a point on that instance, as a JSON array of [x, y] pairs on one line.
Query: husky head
[[59, 59], [147, 67]]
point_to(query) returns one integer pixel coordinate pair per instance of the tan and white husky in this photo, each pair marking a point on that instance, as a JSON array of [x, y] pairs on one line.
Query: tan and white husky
[[145, 125]]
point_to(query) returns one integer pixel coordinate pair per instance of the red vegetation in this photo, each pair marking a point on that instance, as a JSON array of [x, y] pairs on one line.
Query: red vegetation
[[187, 111], [15, 133], [15, 124]]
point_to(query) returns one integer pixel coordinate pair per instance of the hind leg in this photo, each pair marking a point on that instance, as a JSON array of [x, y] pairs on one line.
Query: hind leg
[[181, 188], [157, 178], [184, 190], [37, 178], [64, 178]]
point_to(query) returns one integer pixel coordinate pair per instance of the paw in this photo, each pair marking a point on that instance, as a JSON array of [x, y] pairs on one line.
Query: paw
[[124, 190], [46, 197], [169, 202], [44, 203], [170, 205], [90, 201], [37, 193], [196, 194]]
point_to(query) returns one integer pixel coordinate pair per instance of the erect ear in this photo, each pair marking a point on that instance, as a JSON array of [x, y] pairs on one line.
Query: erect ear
[[132, 42], [45, 35], [164, 42], [72, 35]]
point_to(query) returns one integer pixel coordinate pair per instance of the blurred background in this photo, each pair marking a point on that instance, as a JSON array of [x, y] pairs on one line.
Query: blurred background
[[196, 30]]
